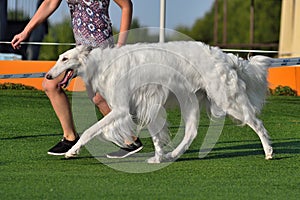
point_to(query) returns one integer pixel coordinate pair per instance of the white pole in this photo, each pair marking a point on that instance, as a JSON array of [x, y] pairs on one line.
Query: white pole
[[162, 20]]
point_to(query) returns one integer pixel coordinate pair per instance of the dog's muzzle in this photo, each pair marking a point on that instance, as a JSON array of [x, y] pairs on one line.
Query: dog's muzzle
[[68, 76]]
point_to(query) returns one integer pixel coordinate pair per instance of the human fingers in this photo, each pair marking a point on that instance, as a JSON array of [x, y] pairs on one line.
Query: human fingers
[[16, 42]]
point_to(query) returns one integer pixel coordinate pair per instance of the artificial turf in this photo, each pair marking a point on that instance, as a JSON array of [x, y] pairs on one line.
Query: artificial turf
[[234, 169]]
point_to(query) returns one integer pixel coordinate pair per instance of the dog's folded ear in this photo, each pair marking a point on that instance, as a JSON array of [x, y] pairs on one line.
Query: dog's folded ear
[[85, 49], [84, 52], [88, 48]]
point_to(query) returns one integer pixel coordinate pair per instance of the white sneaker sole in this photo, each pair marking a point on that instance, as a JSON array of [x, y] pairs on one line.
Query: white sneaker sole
[[126, 155], [56, 154]]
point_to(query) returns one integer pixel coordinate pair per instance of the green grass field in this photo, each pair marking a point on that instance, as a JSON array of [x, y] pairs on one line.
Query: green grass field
[[235, 169]]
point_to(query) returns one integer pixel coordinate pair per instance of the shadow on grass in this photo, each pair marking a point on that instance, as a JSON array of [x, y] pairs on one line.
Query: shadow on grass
[[281, 149], [30, 136], [141, 158]]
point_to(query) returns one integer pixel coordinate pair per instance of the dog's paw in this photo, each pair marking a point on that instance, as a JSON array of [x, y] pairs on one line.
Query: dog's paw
[[154, 160], [168, 157], [269, 153], [269, 157], [71, 154]]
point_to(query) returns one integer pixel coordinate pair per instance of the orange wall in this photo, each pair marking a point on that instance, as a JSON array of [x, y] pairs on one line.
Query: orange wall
[[286, 76], [20, 67]]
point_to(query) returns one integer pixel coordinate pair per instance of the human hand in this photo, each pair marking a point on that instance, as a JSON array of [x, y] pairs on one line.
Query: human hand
[[119, 44], [16, 41]]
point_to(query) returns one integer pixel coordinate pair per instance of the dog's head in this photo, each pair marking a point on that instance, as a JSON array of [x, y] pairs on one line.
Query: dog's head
[[71, 63]]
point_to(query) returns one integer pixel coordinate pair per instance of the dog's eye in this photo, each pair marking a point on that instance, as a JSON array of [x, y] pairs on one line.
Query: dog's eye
[[64, 59]]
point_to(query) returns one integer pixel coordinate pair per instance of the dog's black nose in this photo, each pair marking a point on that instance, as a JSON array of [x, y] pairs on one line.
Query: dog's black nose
[[49, 77]]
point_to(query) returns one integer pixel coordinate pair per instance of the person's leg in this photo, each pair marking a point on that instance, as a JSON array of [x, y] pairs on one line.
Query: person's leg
[[100, 102], [103, 107], [61, 106], [132, 148]]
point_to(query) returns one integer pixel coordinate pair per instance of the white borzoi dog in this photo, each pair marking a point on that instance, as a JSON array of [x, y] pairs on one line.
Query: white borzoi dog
[[136, 81]]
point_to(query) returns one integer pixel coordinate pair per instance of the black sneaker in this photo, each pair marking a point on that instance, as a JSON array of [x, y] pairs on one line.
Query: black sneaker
[[62, 147], [129, 150]]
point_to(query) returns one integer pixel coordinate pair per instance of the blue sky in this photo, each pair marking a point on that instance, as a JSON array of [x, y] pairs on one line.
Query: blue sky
[[179, 12]]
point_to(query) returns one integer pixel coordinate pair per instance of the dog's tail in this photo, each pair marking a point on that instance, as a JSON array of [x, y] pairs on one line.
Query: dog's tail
[[254, 72]]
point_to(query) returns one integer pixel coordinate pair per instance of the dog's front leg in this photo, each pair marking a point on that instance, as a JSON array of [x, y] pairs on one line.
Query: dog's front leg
[[86, 136], [158, 157], [90, 133], [74, 151]]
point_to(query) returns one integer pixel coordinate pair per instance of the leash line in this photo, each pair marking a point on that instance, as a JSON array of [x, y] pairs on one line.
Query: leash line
[[42, 43], [248, 51], [73, 44]]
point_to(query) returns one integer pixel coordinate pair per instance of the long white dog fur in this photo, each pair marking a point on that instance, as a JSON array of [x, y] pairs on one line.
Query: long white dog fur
[[136, 80]]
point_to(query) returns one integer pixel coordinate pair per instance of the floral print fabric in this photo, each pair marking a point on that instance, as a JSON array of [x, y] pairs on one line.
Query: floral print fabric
[[91, 23]]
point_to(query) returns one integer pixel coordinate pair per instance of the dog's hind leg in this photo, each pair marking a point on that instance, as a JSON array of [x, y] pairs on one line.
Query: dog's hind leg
[[190, 112], [249, 118], [189, 136], [261, 131]]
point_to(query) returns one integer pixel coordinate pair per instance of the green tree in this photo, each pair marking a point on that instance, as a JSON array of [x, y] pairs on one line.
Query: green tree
[[58, 33], [137, 33], [202, 29], [266, 27], [17, 15], [267, 21]]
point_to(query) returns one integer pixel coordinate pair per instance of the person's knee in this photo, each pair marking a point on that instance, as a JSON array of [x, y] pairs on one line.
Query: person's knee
[[101, 103], [50, 87], [98, 100]]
